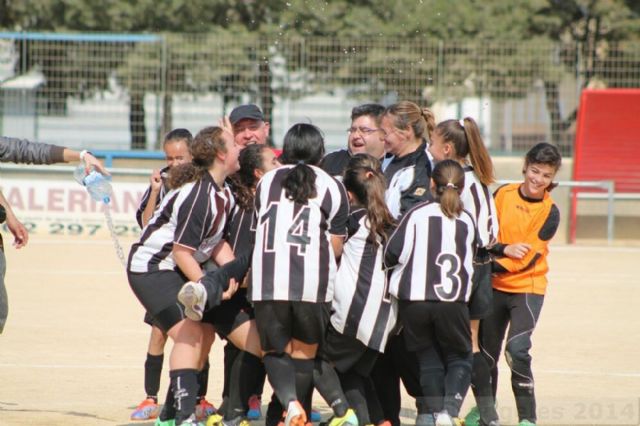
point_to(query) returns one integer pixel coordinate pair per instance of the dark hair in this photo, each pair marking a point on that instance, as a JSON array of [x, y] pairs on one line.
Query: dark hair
[[409, 115], [368, 185], [448, 177], [205, 146], [466, 140], [303, 145], [178, 135], [544, 153], [243, 182], [374, 111]]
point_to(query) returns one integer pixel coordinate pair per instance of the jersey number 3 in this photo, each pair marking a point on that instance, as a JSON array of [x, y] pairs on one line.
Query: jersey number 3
[[448, 289], [297, 235]]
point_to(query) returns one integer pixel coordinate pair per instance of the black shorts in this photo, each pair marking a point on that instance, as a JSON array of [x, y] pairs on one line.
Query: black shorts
[[280, 321], [230, 314], [158, 293], [148, 319], [481, 301], [347, 353], [445, 324]]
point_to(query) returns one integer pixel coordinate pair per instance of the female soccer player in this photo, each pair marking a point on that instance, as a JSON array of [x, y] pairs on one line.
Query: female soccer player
[[528, 220], [301, 216], [461, 141], [406, 128], [179, 238], [431, 252], [363, 313]]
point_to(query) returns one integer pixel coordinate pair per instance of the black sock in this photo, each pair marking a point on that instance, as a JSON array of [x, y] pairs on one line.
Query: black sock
[[326, 381], [185, 390], [456, 382], [168, 409], [282, 376], [152, 373], [274, 412], [432, 379], [245, 367], [253, 378], [354, 389], [203, 381], [481, 386], [304, 382]]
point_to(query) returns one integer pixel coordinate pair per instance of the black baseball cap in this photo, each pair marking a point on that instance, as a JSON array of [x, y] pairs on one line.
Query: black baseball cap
[[249, 111]]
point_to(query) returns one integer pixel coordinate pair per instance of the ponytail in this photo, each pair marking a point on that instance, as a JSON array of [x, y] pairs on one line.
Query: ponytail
[[300, 183], [478, 154], [367, 185], [430, 118], [184, 173], [303, 145], [464, 137], [448, 177]]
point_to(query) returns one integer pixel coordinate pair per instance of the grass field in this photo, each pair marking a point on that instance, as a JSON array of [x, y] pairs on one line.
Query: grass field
[[73, 350]]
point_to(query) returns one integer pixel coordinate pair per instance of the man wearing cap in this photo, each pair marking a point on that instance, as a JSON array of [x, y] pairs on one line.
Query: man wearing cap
[[248, 125]]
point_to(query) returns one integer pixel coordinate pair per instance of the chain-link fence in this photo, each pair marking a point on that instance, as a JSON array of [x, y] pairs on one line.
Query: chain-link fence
[[126, 91]]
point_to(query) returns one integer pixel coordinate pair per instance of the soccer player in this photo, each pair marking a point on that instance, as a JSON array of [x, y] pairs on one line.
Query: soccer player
[[363, 313], [176, 147], [431, 252], [529, 218], [185, 232], [460, 140], [301, 223]]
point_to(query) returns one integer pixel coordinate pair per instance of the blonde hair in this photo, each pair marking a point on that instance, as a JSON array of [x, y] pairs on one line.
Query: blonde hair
[[409, 115]]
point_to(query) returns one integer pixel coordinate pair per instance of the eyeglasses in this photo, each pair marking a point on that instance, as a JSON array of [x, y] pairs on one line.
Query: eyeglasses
[[361, 130]]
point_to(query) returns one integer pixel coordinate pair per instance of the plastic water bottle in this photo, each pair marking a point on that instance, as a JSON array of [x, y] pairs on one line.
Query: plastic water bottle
[[98, 186]]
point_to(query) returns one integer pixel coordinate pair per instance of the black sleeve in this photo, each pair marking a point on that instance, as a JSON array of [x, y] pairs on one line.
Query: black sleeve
[[497, 249], [217, 282], [550, 225]]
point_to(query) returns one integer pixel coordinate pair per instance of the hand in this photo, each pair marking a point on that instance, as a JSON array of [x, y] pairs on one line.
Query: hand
[[233, 287], [226, 125], [156, 181], [20, 233], [517, 250], [92, 162]]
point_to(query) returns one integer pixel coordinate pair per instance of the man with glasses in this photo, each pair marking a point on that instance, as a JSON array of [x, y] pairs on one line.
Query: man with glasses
[[364, 136]]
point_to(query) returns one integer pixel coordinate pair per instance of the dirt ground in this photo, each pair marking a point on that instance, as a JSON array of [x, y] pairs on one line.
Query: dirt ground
[[73, 350]]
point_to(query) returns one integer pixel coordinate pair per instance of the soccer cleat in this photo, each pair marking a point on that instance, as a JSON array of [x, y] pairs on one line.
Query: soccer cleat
[[473, 417], [254, 412], [295, 415], [193, 296], [526, 422], [444, 419], [349, 418], [146, 410], [425, 419], [169, 422], [315, 416], [204, 409], [238, 421], [191, 421], [215, 420]]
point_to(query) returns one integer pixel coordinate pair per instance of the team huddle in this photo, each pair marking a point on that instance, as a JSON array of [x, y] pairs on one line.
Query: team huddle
[[345, 273]]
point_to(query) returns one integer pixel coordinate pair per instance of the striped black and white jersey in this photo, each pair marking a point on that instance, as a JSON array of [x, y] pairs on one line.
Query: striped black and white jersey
[[478, 200], [241, 231], [293, 259], [192, 216], [145, 197], [408, 179], [362, 307], [431, 255]]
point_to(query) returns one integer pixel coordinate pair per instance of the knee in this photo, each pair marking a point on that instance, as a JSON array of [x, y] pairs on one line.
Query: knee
[[517, 351]]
